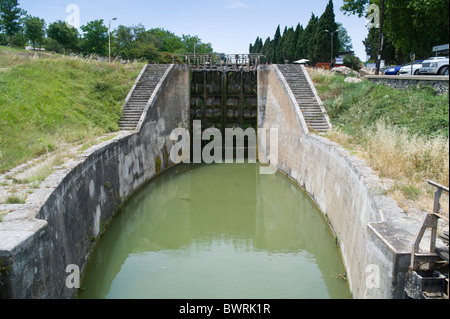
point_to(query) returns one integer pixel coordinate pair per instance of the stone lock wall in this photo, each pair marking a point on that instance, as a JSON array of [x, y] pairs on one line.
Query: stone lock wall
[[38, 242], [373, 233]]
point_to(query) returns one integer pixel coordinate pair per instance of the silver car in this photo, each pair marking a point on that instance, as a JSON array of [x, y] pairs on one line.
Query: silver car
[[412, 68], [435, 66]]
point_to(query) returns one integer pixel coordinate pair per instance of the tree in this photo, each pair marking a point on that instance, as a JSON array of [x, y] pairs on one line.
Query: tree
[[390, 55], [267, 50], [322, 39], [35, 30], [126, 39], [276, 58], [289, 45], [299, 53], [308, 38], [412, 26], [10, 15], [193, 43], [344, 39], [95, 37], [66, 36], [167, 41]]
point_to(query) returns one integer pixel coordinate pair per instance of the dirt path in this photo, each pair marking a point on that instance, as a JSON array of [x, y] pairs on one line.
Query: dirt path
[[17, 185]]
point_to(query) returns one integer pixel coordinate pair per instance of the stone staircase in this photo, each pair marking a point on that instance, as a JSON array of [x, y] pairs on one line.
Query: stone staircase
[[310, 106], [140, 96]]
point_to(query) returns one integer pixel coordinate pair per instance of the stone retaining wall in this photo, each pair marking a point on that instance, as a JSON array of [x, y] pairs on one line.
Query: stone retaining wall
[[439, 83]]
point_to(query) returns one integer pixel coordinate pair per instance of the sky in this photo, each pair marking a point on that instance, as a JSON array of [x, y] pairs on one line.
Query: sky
[[229, 25]]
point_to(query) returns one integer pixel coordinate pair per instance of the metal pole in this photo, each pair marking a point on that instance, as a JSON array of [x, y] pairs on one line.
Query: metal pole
[[109, 41], [380, 39], [109, 38], [332, 40]]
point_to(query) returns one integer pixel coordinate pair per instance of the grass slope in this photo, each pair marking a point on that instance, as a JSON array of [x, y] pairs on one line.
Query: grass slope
[[401, 133], [48, 101]]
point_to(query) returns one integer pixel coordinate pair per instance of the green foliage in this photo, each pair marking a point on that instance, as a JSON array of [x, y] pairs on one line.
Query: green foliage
[[10, 14], [312, 42], [356, 106], [389, 52], [352, 62], [19, 40], [35, 30], [322, 39], [53, 46], [65, 36], [95, 38], [344, 39], [411, 26], [3, 39], [12, 200]]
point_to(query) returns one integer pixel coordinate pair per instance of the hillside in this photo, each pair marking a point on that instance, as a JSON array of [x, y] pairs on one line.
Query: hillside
[[402, 134], [48, 100]]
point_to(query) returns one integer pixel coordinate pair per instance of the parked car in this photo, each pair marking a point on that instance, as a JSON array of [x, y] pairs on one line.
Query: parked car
[[393, 70], [412, 68], [435, 66]]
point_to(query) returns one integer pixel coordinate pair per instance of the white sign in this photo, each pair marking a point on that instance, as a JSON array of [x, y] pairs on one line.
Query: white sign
[[440, 48]]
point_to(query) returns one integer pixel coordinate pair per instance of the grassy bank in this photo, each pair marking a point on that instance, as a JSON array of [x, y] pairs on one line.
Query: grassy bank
[[10, 57], [46, 102], [402, 134]]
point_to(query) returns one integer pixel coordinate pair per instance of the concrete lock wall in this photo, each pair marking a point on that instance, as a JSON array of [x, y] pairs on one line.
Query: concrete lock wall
[[61, 222], [38, 243], [373, 233]]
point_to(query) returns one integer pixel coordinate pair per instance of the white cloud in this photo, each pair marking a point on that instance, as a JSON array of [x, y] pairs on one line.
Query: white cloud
[[235, 4]]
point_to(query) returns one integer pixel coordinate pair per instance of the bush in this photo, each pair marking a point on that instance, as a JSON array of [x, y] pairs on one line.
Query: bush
[[19, 40], [3, 39], [353, 62], [53, 46]]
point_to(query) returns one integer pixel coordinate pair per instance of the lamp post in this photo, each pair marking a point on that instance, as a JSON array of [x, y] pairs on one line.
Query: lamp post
[[381, 39], [332, 46], [109, 37]]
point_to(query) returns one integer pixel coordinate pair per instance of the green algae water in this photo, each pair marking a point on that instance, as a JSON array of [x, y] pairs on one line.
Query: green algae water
[[217, 232]]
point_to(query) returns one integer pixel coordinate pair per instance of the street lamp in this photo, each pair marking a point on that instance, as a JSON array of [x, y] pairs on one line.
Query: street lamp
[[109, 37], [332, 45]]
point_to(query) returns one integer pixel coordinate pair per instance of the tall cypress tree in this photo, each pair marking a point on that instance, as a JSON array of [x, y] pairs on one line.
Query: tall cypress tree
[[260, 46], [308, 38], [280, 47], [267, 50], [276, 45], [322, 39], [297, 47], [289, 45]]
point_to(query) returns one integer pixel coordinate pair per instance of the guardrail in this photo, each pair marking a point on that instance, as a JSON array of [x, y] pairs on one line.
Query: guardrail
[[430, 222], [215, 60]]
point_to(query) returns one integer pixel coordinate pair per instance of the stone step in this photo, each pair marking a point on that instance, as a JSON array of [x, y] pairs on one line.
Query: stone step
[[141, 95], [303, 93]]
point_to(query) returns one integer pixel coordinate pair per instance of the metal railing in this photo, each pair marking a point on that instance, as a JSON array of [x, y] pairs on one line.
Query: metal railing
[[430, 222], [214, 60]]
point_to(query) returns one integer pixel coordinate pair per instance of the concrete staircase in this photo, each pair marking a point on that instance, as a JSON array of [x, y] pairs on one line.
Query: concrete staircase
[[141, 95], [310, 106]]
